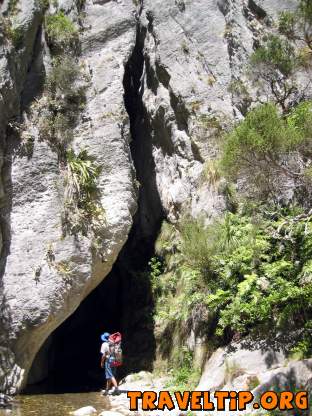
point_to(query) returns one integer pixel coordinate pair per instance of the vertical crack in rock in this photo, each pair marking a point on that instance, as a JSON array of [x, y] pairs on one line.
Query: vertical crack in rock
[[150, 210], [133, 261]]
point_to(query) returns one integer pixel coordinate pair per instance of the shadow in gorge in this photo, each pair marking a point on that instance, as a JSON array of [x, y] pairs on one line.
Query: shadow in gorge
[[69, 360]]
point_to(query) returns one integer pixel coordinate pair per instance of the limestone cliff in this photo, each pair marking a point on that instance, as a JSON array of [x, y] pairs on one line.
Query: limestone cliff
[[158, 73]]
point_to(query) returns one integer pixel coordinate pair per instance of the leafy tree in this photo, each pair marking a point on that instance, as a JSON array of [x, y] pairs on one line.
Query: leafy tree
[[268, 152], [273, 67]]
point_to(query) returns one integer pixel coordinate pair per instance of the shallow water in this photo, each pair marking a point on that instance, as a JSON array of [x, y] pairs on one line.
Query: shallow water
[[56, 404]]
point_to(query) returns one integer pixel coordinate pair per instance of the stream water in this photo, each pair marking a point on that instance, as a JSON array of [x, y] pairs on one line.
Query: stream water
[[56, 404]]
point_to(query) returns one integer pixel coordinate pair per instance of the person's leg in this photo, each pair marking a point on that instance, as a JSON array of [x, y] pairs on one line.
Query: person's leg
[[114, 379], [114, 382], [108, 375]]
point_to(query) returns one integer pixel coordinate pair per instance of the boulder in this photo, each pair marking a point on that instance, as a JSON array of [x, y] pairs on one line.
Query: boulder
[[84, 411], [5, 401], [237, 365]]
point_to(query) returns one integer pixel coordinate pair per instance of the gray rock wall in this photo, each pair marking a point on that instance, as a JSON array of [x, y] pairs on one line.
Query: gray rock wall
[[191, 51], [36, 296]]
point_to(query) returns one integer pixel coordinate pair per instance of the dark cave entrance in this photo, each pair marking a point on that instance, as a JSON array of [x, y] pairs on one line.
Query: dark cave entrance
[[69, 361]]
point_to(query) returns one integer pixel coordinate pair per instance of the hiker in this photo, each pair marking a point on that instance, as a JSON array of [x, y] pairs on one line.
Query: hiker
[[107, 362]]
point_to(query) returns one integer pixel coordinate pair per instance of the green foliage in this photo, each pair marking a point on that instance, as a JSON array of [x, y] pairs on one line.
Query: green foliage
[[287, 24], [12, 7], [83, 173], [273, 66], [82, 210], [297, 25], [61, 32], [16, 34], [251, 270], [300, 118], [156, 269], [276, 54], [64, 73], [43, 4], [196, 244], [259, 286], [11, 31], [61, 105], [183, 374], [259, 146]]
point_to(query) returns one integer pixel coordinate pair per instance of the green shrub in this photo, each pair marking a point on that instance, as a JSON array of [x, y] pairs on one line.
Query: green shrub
[[275, 54], [300, 119], [17, 35], [259, 288], [297, 25], [287, 24], [260, 146], [82, 175], [12, 7], [83, 212], [272, 67], [63, 76], [61, 32], [14, 33], [61, 105], [183, 374], [197, 244], [43, 4]]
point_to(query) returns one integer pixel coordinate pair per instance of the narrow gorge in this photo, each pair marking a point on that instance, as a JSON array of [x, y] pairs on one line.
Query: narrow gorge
[[155, 180]]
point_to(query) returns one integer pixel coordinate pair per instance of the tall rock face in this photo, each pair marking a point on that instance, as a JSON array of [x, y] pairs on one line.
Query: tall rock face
[[37, 295], [158, 71]]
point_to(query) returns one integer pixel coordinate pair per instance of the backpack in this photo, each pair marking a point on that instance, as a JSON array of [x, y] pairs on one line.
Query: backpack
[[114, 342]]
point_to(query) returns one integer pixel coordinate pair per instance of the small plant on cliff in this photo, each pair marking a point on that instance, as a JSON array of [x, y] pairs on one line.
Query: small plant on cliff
[[297, 25], [12, 7], [61, 32], [60, 106], [43, 4], [273, 66], [82, 174], [63, 76], [83, 212], [11, 31]]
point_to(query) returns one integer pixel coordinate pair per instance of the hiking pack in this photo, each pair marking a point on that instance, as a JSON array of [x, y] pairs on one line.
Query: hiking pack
[[114, 342]]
